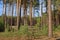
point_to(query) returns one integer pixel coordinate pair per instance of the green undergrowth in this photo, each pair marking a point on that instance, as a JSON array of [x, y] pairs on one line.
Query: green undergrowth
[[40, 31]]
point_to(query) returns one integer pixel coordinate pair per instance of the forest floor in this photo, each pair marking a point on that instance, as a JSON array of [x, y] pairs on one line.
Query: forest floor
[[29, 38], [26, 38], [17, 36]]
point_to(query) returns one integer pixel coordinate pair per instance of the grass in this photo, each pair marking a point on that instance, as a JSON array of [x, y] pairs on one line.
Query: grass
[[24, 31], [21, 31], [8, 34]]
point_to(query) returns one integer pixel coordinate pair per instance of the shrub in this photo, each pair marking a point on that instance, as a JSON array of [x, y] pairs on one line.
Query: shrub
[[1, 25], [57, 28], [23, 30]]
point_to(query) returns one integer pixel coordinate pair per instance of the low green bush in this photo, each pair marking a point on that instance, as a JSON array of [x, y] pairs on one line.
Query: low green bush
[[23, 30], [57, 28], [1, 25]]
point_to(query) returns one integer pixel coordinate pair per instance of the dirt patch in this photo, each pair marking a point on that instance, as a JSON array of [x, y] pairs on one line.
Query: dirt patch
[[25, 38]]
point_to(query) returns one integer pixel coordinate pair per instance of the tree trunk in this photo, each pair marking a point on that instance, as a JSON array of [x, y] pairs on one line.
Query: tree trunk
[[41, 14], [9, 14], [30, 12], [19, 13], [25, 12], [54, 13], [5, 14], [12, 11], [50, 31], [57, 18], [46, 13]]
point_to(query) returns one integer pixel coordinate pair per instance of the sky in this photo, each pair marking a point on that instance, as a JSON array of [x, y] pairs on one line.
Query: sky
[[37, 10], [1, 8]]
